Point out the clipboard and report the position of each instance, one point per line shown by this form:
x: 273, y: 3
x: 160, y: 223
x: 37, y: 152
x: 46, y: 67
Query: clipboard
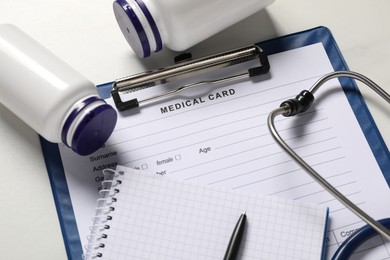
x: 300, y: 39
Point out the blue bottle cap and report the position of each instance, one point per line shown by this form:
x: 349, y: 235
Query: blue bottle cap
x: 89, y: 126
x: 138, y: 27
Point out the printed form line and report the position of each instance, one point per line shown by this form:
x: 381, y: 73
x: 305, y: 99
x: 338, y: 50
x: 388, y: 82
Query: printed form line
x: 220, y: 136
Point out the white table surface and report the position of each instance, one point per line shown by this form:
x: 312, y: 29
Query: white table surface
x: 86, y: 36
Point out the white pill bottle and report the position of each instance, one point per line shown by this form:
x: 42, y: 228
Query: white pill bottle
x: 149, y: 25
x: 51, y: 97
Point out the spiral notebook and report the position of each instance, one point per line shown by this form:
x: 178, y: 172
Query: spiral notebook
x: 146, y: 216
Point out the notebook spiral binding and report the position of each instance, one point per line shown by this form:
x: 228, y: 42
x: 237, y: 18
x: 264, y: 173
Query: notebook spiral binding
x: 101, y: 220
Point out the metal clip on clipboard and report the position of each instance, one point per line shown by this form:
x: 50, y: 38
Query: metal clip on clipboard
x: 187, y: 69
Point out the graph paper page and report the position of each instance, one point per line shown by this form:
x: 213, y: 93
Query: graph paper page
x: 218, y: 136
x: 163, y: 218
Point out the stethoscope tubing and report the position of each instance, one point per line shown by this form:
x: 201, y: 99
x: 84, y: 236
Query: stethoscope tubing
x: 299, y: 105
x: 353, y: 242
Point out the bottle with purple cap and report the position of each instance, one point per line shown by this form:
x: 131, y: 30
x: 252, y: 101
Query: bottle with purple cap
x: 51, y: 97
x: 149, y: 25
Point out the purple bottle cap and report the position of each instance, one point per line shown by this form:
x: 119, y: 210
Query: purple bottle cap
x: 138, y: 27
x: 89, y: 125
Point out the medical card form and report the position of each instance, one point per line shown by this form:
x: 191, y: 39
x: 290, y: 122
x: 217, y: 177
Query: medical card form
x: 217, y: 135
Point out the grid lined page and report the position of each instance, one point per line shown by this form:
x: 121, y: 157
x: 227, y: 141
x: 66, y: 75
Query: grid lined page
x: 161, y: 218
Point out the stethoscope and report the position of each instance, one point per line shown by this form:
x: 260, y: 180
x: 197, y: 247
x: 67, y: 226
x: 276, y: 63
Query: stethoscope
x: 300, y: 104
x: 288, y: 108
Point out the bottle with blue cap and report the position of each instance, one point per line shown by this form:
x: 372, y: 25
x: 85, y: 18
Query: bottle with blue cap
x: 149, y: 25
x: 51, y: 97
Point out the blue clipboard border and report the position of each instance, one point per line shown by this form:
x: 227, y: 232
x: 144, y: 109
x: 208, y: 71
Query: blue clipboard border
x: 300, y: 39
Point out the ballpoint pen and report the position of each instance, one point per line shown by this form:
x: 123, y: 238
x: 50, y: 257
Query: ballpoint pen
x: 235, y: 239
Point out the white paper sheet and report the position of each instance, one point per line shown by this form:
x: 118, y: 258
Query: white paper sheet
x: 218, y: 136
